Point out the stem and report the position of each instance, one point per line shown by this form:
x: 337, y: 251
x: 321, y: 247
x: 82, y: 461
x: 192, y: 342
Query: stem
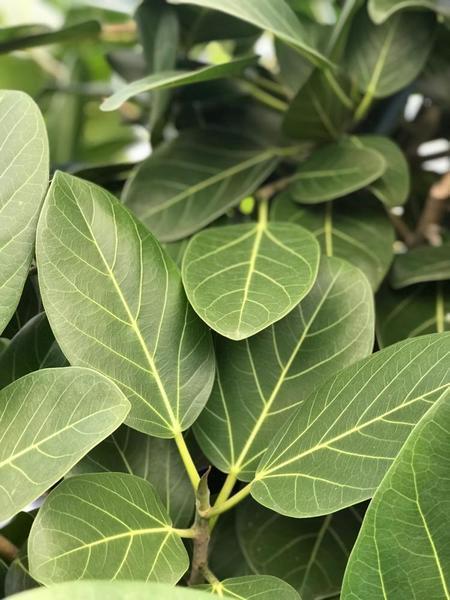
x: 8, y: 550
x: 223, y: 496
x: 187, y: 460
x: 231, y: 502
x: 328, y: 228
x: 440, y: 309
x: 364, y: 106
x: 346, y: 101
x: 186, y: 533
x: 263, y: 97
x: 263, y: 211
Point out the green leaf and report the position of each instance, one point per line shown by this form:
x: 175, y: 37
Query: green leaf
x: 74, y: 33
x: 50, y: 419
x: 31, y: 349
x: 380, y: 10
x: 339, y: 445
x: 334, y: 171
x: 242, y: 278
x: 98, y: 270
x: 19, y: 72
x: 249, y: 587
x: 4, y: 343
x: 383, y: 59
x: 153, y: 459
x: 23, y: 181
x: 18, y: 578
x: 226, y: 558
x: 404, y: 545
x: 309, y: 554
x: 355, y: 229
x: 105, y: 526
x: 172, y: 79
x: 261, y: 381
x: 29, y: 306
x: 195, y: 179
x: 419, y: 265
x: 272, y: 15
x: 3, y: 571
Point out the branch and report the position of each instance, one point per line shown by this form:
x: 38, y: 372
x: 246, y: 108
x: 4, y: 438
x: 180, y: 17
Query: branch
x: 8, y: 550
x: 429, y: 226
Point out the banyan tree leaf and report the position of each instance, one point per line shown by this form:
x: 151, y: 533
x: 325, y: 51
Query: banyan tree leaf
x: 419, y: 265
x: 29, y: 306
x: 24, y: 165
x: 356, y: 229
x: 226, y: 558
x: 105, y: 526
x: 49, y: 420
x: 32, y: 348
x: 309, y: 554
x: 380, y: 10
x: 334, y: 171
x: 337, y: 448
x: 18, y: 578
x: 99, y: 272
x: 261, y: 381
x: 4, y: 343
x: 172, y: 79
x: 189, y: 182
x: 242, y: 278
x: 250, y: 587
x: 403, y: 549
x: 153, y: 459
x: 383, y: 59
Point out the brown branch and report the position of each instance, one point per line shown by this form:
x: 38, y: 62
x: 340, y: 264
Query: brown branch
x: 8, y: 551
x: 405, y: 233
x: 429, y: 226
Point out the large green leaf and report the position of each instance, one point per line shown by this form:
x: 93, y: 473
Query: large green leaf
x: 355, y: 229
x: 403, y: 550
x: 49, y: 420
x: 420, y: 265
x: 249, y: 587
x: 194, y: 179
x: 337, y: 448
x: 242, y: 278
x: 380, y: 10
x: 272, y: 15
x: 153, y: 459
x: 31, y: 349
x: 383, y: 59
x: 105, y: 526
x: 172, y: 79
x: 23, y: 181
x: 334, y: 171
x: 99, y: 269
x: 310, y: 554
x: 261, y: 381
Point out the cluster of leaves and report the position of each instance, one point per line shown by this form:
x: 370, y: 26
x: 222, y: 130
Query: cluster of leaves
x: 192, y: 391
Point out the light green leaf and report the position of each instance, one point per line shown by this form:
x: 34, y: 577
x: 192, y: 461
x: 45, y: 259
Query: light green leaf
x: 355, y: 229
x: 272, y: 15
x: 334, y: 171
x: 153, y: 459
x: 172, y: 79
x: 49, y: 420
x: 403, y: 549
x: 74, y: 33
x: 105, y: 526
x: 250, y: 587
x: 383, y: 59
x: 24, y: 165
x: 420, y: 265
x: 242, y: 278
x: 380, y: 10
x: 309, y: 554
x: 31, y: 349
x: 262, y: 381
x: 339, y: 445
x: 99, y: 269
x: 194, y: 179
x: 4, y: 343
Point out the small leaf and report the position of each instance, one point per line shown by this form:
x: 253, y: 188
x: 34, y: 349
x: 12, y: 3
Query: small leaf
x: 337, y: 448
x: 242, y: 278
x: 99, y: 269
x: 172, y: 79
x: 262, y: 381
x: 334, y: 171
x: 380, y: 10
x: 249, y: 587
x: 420, y: 265
x: 50, y: 419
x: 24, y: 165
x: 74, y: 33
x: 105, y: 526
x: 404, y: 545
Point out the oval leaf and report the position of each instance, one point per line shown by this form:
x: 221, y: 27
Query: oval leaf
x: 341, y: 442
x: 49, y: 420
x: 420, y: 265
x: 105, y: 526
x: 255, y: 586
x: 242, y: 278
x: 116, y: 303
x: 262, y: 381
x: 380, y: 10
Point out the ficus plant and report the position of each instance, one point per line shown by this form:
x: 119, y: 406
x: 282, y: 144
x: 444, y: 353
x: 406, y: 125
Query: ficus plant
x: 225, y: 300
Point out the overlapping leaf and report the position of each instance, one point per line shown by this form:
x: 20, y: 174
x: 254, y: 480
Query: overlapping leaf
x: 242, y: 278
x: 18, y: 578
x: 261, y: 381
x: 404, y: 545
x: 250, y: 587
x: 105, y: 526
x: 116, y: 303
x: 427, y: 263
x: 48, y: 421
x: 24, y: 165
x: 380, y: 10
x: 339, y: 445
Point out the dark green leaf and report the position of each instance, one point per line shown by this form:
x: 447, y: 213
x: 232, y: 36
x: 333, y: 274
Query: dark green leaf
x: 226, y: 557
x: 420, y: 265
x: 249, y: 587
x: 75, y: 33
x: 18, y: 578
x: 380, y: 10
